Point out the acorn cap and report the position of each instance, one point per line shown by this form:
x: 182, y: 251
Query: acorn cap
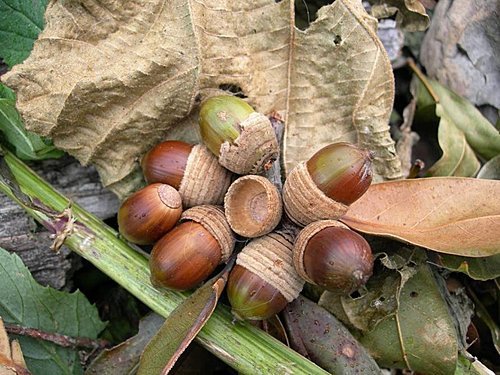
x: 205, y: 181
x: 213, y: 220
x: 302, y: 240
x: 270, y: 257
x: 304, y: 202
x: 253, y: 206
x: 254, y: 150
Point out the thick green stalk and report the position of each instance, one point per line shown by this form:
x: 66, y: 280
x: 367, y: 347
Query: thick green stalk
x: 242, y: 346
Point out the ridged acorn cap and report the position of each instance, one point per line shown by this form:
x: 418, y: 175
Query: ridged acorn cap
x: 253, y: 206
x: 270, y: 258
x: 205, y: 181
x: 304, y: 202
x: 212, y: 218
x: 242, y: 139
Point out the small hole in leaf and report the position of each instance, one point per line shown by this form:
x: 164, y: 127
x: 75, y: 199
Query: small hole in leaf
x: 278, y: 1
x: 413, y: 294
x: 355, y: 295
x: 337, y: 40
x: 233, y: 89
x: 382, y: 299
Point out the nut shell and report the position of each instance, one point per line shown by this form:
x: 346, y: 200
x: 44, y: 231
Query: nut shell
x: 213, y: 220
x: 270, y: 258
x: 253, y: 206
x: 205, y: 181
x: 304, y: 202
x: 149, y: 213
x: 329, y: 254
x: 184, y: 257
x: 255, y: 149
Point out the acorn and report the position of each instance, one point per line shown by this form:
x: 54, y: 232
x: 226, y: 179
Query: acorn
x: 264, y: 279
x: 193, y: 170
x: 242, y: 139
x: 329, y: 254
x: 189, y: 253
x: 149, y: 213
x: 253, y: 206
x: 324, y: 186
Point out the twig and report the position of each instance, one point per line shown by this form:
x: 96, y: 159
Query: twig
x: 423, y: 79
x: 56, y: 338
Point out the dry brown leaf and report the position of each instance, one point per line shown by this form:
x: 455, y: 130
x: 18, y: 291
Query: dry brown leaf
x: 450, y: 215
x: 107, y: 80
x: 11, y: 356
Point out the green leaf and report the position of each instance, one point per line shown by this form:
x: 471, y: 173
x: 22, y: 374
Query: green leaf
x: 20, y: 23
x: 491, y: 169
x: 463, y: 124
x: 422, y: 329
x: 28, y: 146
x: 486, y: 268
x: 26, y: 303
x: 182, y: 325
x: 379, y: 299
x: 471, y: 367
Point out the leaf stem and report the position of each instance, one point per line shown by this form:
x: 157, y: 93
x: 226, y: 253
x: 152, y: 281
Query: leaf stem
x: 242, y: 346
x: 56, y: 338
x: 423, y: 79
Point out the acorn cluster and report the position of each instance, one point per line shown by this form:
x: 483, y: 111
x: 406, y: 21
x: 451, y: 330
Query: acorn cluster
x: 199, y: 196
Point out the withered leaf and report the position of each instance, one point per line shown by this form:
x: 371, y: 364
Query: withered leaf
x: 326, y: 340
x: 11, y: 356
x: 410, y: 14
x: 451, y: 215
x: 108, y: 80
x: 182, y: 326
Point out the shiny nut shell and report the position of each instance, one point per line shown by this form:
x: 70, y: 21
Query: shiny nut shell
x: 212, y: 218
x: 253, y: 206
x: 304, y: 202
x: 301, y: 242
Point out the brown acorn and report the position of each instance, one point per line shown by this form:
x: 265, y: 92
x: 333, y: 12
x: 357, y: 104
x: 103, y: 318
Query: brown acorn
x: 190, y: 252
x: 325, y: 185
x: 149, y: 213
x: 264, y: 279
x: 193, y: 170
x: 329, y: 254
x: 253, y: 206
x: 242, y: 139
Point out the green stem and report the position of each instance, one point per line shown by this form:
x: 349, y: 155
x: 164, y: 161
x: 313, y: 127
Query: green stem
x: 242, y: 346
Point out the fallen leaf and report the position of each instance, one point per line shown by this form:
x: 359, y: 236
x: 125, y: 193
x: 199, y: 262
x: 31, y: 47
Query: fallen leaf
x: 327, y: 342
x: 479, y: 133
x: 123, y: 358
x: 491, y: 169
x: 182, y: 326
x: 451, y: 215
x: 379, y: 299
x: 410, y: 14
x: 483, y: 269
x: 422, y: 329
x: 11, y: 356
x: 26, y: 303
x: 108, y: 106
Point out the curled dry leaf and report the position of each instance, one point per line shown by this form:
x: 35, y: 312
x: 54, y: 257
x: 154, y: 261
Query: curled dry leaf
x: 451, y: 215
x: 122, y: 76
x: 410, y: 14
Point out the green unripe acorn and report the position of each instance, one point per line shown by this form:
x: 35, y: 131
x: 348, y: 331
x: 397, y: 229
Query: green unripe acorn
x: 242, y: 139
